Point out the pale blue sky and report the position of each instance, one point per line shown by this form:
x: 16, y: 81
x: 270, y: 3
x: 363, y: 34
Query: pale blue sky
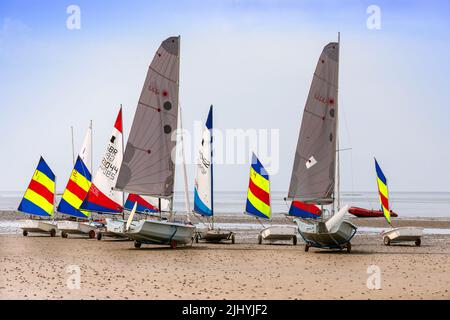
x: 252, y: 59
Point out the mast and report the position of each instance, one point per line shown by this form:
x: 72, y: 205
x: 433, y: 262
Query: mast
x: 338, y: 184
x: 186, y: 193
x: 73, y: 147
x: 212, y: 172
x: 123, y: 151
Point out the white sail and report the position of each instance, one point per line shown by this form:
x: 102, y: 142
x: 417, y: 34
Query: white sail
x: 203, y: 181
x: 101, y: 196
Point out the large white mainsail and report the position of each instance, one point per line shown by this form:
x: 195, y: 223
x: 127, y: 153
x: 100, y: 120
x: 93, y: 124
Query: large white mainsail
x: 313, y: 174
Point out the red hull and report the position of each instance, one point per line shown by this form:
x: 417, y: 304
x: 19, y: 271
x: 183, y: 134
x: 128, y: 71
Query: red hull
x: 365, y: 213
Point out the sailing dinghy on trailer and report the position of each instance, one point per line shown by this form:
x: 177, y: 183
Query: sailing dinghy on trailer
x: 147, y: 167
x: 258, y: 205
x: 39, y: 200
x: 203, y: 188
x: 102, y: 197
x: 315, y: 179
x: 75, y: 192
x: 394, y: 235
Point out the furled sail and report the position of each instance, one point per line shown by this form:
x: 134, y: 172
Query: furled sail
x: 147, y: 166
x: 313, y: 174
x: 79, y: 182
x: 203, y: 187
x: 258, y: 195
x: 101, y: 196
x: 383, y: 192
x: 39, y: 198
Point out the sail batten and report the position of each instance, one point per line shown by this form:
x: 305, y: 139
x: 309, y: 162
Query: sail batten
x: 147, y: 166
x: 313, y: 173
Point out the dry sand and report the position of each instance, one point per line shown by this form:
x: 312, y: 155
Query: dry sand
x: 34, y: 267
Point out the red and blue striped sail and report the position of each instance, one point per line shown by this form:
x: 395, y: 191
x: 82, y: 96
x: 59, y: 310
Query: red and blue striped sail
x: 76, y: 190
x: 258, y: 196
x: 39, y: 198
x: 304, y: 210
x: 143, y: 206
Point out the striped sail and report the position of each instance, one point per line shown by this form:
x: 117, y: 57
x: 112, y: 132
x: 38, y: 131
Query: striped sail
x: 79, y: 182
x: 101, y: 196
x: 383, y: 192
x: 143, y: 204
x: 203, y: 187
x: 304, y: 210
x: 258, y: 196
x: 39, y: 198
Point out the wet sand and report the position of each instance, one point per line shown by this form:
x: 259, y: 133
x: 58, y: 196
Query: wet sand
x: 34, y: 267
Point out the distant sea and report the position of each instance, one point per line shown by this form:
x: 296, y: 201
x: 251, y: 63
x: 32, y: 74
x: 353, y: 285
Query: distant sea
x: 406, y: 204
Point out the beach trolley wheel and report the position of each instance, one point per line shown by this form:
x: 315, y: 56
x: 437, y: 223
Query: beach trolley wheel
x: 25, y: 233
x: 260, y: 239
x: 307, y: 247
x: 92, y: 234
x: 64, y: 234
x: 387, y: 241
x: 52, y: 233
x: 99, y: 236
x: 294, y: 240
x: 418, y: 242
x: 349, y: 247
x: 137, y: 244
x: 233, y: 240
x: 173, y: 244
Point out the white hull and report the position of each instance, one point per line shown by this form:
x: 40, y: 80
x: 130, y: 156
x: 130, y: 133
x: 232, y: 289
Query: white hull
x: 214, y: 235
x: 403, y: 234
x: 278, y: 233
x: 39, y: 226
x: 161, y: 232
x: 74, y: 227
x: 115, y: 228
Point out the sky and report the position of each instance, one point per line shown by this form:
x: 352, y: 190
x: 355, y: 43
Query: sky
x: 252, y: 59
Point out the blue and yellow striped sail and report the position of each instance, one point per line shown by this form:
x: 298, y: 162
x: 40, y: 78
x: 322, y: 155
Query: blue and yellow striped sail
x: 383, y: 192
x: 76, y: 191
x: 40, y: 196
x: 258, y: 196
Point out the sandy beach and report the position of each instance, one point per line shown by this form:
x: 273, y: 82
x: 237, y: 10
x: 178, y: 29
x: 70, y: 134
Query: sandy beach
x: 35, y: 267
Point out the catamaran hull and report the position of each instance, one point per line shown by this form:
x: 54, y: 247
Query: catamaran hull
x: 314, y: 237
x: 38, y: 226
x: 114, y: 228
x: 278, y: 233
x: 77, y: 228
x: 403, y: 234
x: 161, y: 232
x: 215, y: 236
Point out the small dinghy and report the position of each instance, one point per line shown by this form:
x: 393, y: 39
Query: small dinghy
x: 394, y: 235
x: 366, y: 213
x: 39, y: 200
x: 76, y: 190
x: 258, y: 205
x: 315, y: 174
x: 148, y: 167
x: 203, y: 189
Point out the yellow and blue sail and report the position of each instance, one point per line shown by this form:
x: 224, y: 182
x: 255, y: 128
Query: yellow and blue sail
x: 76, y: 191
x: 258, y: 196
x: 39, y: 197
x: 383, y: 192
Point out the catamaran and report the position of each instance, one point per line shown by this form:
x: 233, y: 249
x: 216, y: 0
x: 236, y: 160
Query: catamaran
x: 393, y: 235
x: 101, y: 196
x: 258, y: 205
x: 315, y: 174
x: 203, y: 188
x: 147, y: 167
x: 75, y: 192
x: 39, y: 200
